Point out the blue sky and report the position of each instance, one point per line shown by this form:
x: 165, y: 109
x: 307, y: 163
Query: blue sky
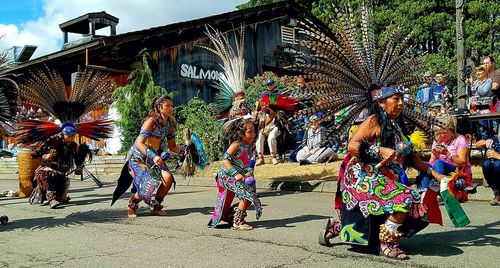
x: 17, y: 12
x: 36, y: 22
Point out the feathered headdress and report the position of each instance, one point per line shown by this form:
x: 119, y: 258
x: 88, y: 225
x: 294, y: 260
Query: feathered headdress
x: 347, y: 71
x: 46, y: 89
x: 232, y: 80
x: 8, y: 90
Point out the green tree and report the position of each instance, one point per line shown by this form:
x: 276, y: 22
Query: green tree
x: 133, y: 101
x: 431, y: 24
x: 482, y: 27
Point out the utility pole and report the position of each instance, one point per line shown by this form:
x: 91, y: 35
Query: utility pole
x: 460, y: 92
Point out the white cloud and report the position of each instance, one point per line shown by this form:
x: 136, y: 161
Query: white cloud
x: 134, y: 15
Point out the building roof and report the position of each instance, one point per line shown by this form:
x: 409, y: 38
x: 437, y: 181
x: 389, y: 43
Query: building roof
x: 81, y: 24
x: 119, y: 52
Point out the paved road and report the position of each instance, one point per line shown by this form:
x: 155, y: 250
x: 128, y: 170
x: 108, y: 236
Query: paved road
x: 90, y: 233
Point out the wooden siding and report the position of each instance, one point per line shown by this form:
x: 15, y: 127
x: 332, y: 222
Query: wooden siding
x: 262, y: 48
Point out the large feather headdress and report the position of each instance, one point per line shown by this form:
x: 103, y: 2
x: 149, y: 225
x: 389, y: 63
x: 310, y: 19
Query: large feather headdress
x: 8, y: 90
x: 46, y: 89
x: 232, y: 80
x: 345, y: 68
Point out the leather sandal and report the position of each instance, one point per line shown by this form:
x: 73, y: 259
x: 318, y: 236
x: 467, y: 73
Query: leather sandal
x: 331, y: 230
x: 157, y: 210
x: 393, y: 252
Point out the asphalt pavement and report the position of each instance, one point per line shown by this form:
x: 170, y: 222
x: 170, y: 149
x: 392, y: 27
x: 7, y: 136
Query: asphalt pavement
x: 90, y: 233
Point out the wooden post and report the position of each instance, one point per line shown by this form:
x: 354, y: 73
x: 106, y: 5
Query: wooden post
x: 460, y: 92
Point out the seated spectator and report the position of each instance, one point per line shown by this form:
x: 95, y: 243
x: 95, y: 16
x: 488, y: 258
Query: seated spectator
x: 274, y: 108
x: 268, y: 130
x: 450, y: 151
x: 491, y: 166
x: 313, y: 151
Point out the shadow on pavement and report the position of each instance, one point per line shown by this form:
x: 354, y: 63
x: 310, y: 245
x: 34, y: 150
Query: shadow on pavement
x: 286, y: 222
x: 274, y: 193
x: 76, y: 218
x: 303, y: 186
x: 447, y: 243
x: 187, y: 211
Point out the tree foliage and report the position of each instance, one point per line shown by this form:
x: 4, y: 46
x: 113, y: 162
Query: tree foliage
x: 133, y: 101
x: 431, y: 23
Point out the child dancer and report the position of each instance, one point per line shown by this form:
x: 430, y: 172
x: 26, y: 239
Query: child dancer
x: 237, y: 166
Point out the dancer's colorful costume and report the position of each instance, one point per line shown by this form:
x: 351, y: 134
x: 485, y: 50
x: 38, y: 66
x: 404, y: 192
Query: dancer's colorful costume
x: 46, y: 89
x: 229, y: 187
x: 147, y: 176
x: 349, y: 73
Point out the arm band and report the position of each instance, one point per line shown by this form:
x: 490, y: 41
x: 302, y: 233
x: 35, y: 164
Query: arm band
x: 150, y: 153
x: 227, y: 156
x: 232, y: 171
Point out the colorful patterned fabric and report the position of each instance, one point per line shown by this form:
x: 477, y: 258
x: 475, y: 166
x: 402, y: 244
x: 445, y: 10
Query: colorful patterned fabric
x: 228, y: 186
x: 365, y: 193
x: 385, y: 92
x: 376, y: 192
x: 147, y: 176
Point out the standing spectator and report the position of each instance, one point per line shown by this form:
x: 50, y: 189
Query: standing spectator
x: 300, y: 89
x: 489, y: 61
x: 314, y: 151
x: 440, y: 92
x: 481, y: 87
x: 424, y: 93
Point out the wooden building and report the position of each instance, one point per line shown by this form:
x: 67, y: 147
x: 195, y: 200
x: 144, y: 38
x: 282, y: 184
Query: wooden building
x: 178, y: 63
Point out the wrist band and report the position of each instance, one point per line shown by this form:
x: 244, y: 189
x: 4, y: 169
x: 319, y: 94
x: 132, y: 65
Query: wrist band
x: 429, y: 171
x: 232, y: 171
x: 150, y: 153
x: 368, y: 153
x: 374, y: 151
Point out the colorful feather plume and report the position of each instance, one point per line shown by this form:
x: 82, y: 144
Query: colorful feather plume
x: 418, y: 140
x: 457, y: 186
x: 8, y: 90
x: 232, y: 80
x: 45, y: 89
x: 96, y: 129
x: 31, y: 131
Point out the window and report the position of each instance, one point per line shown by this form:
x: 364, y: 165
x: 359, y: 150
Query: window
x: 287, y: 35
